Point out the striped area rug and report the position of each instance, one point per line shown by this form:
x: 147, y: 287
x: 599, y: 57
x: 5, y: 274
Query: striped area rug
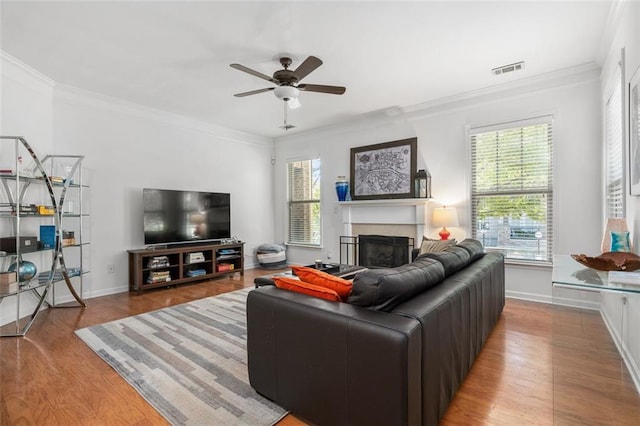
x: 188, y: 361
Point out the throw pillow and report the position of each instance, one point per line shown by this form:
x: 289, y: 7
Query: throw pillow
x: 435, y: 246
x: 323, y: 279
x: 620, y: 241
x: 298, y: 286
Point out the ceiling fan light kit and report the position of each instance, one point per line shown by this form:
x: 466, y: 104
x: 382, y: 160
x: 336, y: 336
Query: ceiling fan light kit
x: 287, y: 81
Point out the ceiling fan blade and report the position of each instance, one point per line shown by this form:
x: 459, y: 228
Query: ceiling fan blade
x: 305, y: 68
x: 334, y: 90
x: 254, y: 73
x: 253, y: 92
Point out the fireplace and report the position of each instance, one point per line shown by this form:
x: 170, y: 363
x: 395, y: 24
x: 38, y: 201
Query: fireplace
x: 375, y: 251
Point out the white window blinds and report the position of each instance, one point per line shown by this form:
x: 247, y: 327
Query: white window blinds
x: 304, y: 202
x: 614, y: 176
x: 511, y: 190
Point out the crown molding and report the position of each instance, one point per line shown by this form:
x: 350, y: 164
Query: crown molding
x: 565, y: 77
x: 17, y: 71
x: 617, y: 11
x: 402, y: 117
x: 76, y: 96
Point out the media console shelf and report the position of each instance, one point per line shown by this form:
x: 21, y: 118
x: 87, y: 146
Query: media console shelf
x: 153, y: 268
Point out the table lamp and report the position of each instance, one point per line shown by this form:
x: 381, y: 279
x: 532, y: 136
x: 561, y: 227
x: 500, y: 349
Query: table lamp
x: 445, y: 216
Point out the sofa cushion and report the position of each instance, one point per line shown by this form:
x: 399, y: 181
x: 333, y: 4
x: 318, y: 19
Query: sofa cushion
x: 454, y: 259
x: 474, y: 247
x: 435, y: 246
x: 298, y: 286
x: 384, y: 289
x: 323, y: 279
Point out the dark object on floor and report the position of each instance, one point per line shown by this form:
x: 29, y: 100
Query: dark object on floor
x: 271, y: 256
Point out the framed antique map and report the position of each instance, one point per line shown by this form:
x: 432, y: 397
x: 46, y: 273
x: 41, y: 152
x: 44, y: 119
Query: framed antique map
x: 384, y: 170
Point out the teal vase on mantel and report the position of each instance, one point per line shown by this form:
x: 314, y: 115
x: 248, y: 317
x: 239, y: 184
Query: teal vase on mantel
x: 342, y: 188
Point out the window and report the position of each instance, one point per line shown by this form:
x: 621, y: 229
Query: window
x: 304, y: 202
x: 614, y: 176
x: 511, y: 189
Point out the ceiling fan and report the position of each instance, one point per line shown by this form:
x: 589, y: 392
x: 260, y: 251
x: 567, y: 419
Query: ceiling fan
x: 288, y: 82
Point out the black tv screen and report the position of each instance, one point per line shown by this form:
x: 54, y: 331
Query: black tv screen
x: 172, y: 216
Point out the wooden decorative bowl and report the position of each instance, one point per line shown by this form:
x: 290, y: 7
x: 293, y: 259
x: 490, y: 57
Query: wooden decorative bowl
x: 610, y: 261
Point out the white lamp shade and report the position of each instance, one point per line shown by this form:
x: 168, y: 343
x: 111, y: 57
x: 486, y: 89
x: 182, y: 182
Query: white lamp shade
x: 294, y: 103
x: 286, y: 92
x: 445, y: 216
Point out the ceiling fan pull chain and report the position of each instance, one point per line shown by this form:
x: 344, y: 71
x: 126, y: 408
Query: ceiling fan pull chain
x: 285, y: 114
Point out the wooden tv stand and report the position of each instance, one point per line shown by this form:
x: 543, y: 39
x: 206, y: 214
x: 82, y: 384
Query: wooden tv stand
x: 162, y: 267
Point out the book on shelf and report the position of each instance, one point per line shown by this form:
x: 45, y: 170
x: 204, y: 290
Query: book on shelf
x: 8, y: 282
x: 158, y: 262
x: 223, y: 267
x: 158, y: 280
x: 57, y: 275
x: 228, y: 251
x: 196, y: 272
x: 158, y: 277
x: 7, y: 288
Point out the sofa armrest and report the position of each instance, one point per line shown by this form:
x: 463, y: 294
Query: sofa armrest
x: 333, y: 363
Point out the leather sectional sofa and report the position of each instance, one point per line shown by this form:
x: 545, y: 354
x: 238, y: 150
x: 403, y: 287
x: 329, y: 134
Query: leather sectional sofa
x: 395, y: 354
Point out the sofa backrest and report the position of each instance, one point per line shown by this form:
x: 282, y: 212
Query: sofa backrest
x: 385, y: 288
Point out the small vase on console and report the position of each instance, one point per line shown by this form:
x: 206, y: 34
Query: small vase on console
x: 342, y: 188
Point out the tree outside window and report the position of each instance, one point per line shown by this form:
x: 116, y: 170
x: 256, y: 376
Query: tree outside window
x: 511, y: 190
x: 304, y: 202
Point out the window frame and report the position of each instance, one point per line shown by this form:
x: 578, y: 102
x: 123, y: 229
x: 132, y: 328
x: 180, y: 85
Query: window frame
x: 616, y: 82
x: 290, y: 202
x: 471, y: 132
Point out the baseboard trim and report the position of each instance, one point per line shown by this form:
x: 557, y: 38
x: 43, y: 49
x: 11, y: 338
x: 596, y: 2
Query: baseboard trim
x: 530, y: 297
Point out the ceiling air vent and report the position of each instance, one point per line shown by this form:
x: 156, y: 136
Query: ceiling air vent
x: 508, y: 68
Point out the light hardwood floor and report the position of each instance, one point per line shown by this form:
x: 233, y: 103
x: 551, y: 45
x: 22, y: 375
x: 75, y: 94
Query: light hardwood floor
x: 51, y: 377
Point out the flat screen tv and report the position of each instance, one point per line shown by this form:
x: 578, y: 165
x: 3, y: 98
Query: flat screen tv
x: 172, y: 216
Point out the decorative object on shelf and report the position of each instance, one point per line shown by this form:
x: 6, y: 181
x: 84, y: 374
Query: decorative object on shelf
x: 614, y: 224
x: 48, y: 236
x: 50, y: 191
x: 423, y: 184
x: 383, y: 171
x: 8, y: 282
x: 634, y: 133
x: 443, y: 217
x: 68, y: 238
x: 342, y: 188
x: 26, y: 271
x: 610, y: 261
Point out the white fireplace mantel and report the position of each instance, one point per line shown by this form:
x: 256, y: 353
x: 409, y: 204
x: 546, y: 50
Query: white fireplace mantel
x: 403, y: 211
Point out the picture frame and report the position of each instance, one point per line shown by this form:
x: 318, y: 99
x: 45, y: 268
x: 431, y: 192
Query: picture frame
x: 634, y: 133
x: 384, y: 171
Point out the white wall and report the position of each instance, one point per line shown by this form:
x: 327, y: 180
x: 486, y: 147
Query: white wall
x: 572, y: 96
x: 26, y: 99
x: 623, y: 313
x: 127, y: 148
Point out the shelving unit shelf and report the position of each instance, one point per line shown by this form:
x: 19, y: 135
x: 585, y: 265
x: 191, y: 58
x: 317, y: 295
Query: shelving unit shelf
x: 32, y: 195
x: 161, y: 267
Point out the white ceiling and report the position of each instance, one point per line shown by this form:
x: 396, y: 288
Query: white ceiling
x: 175, y: 56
